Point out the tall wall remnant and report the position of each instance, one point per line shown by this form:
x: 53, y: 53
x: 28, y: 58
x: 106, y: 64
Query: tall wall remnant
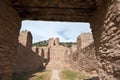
x: 53, y: 42
x: 9, y: 30
x: 27, y: 57
x: 83, y: 58
x: 84, y: 40
x: 57, y: 58
x: 56, y: 41
x: 54, y: 55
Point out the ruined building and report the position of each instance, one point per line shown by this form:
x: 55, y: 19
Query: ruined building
x: 27, y: 57
x: 103, y: 16
x: 53, y: 42
x: 56, y: 57
x: 82, y: 57
x: 34, y: 58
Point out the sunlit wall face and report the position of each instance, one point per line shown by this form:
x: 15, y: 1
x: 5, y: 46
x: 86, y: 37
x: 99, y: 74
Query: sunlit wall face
x: 65, y: 31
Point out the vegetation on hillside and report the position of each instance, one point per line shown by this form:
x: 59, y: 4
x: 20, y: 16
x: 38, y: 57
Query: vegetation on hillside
x: 67, y: 44
x: 45, y: 43
x: 41, y: 43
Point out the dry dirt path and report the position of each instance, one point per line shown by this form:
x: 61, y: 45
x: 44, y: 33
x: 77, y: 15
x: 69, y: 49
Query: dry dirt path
x: 55, y: 75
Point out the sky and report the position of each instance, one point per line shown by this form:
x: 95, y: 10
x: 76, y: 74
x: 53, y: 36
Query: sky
x: 65, y: 31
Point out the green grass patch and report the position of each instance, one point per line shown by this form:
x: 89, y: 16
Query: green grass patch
x: 42, y: 76
x: 72, y: 75
x: 45, y: 75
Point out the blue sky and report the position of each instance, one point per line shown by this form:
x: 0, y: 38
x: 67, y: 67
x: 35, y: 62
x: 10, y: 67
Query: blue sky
x: 65, y: 31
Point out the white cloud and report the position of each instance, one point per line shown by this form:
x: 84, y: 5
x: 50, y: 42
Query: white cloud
x: 66, y: 31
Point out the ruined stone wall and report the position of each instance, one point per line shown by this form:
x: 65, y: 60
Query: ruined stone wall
x: 57, y: 58
x: 45, y: 51
x: 83, y: 58
x: 56, y: 41
x: 73, y: 48
x: 84, y: 40
x: 9, y: 30
x: 54, y: 55
x: 105, y: 26
x: 27, y: 58
x: 45, y: 55
x: 51, y: 42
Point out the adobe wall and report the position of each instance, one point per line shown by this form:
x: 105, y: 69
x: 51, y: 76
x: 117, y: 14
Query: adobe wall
x: 45, y: 55
x: 56, y: 41
x: 83, y: 58
x: 105, y: 26
x: 27, y: 58
x: 51, y: 42
x: 84, y: 40
x: 55, y: 56
x: 9, y: 31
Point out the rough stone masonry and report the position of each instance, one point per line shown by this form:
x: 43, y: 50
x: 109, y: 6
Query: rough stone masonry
x: 55, y: 58
x: 105, y: 26
x: 103, y: 16
x: 9, y: 31
x: 27, y: 57
x: 82, y: 57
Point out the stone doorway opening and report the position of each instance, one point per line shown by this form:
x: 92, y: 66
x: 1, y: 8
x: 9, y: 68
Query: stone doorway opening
x: 64, y: 31
x: 103, y: 15
x: 77, y: 44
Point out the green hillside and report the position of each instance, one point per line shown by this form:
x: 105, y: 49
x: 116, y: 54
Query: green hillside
x: 41, y: 43
x: 45, y: 43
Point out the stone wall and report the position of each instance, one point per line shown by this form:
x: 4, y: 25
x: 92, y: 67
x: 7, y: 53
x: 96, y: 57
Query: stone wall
x: 83, y: 58
x: 9, y: 31
x: 55, y: 55
x: 45, y: 55
x: 105, y: 26
x: 27, y: 58
x: 56, y: 41
x: 57, y: 58
x: 84, y: 40
x: 53, y: 42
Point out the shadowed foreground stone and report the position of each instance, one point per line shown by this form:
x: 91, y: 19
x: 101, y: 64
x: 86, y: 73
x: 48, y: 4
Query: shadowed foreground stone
x: 9, y: 30
x: 27, y: 57
x: 105, y: 26
x: 103, y: 15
